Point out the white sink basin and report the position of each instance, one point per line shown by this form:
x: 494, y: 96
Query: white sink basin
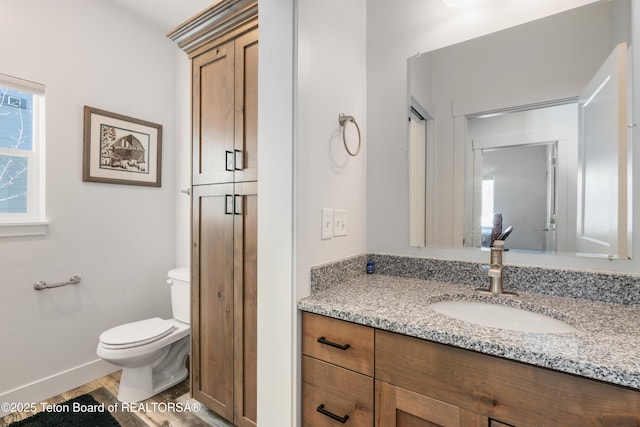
x: 501, y: 316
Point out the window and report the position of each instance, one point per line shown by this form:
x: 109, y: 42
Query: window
x: 21, y: 157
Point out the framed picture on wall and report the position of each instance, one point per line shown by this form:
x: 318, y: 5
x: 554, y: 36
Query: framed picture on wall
x: 120, y: 149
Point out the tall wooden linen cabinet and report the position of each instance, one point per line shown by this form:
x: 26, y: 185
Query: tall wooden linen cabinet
x: 222, y: 44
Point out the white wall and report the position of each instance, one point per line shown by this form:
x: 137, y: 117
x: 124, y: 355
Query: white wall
x: 120, y: 239
x: 332, y: 79
x: 277, y: 352
x: 329, y: 61
x: 183, y: 159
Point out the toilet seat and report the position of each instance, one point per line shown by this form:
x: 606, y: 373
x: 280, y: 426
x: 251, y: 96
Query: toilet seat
x: 136, y: 334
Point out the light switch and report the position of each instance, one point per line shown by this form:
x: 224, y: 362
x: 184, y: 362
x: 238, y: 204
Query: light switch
x: 327, y: 223
x: 339, y: 222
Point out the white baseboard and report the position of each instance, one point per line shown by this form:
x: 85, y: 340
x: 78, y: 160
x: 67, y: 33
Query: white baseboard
x: 53, y: 385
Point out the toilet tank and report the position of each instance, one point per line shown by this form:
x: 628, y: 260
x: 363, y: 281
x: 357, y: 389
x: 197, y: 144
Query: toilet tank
x: 180, y: 279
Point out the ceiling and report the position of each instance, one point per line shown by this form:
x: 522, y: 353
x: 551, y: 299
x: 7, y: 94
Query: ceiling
x: 164, y: 14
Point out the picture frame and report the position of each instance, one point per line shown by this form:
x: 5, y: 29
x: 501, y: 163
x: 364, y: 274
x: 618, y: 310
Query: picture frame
x: 121, y: 150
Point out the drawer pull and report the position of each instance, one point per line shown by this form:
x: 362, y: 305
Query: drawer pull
x: 332, y: 415
x: 323, y: 340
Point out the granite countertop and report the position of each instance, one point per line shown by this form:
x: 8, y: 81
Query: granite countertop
x: 605, y: 345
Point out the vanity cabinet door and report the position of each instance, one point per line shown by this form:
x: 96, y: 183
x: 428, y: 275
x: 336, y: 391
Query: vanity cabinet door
x: 334, y: 396
x: 397, y: 407
x: 516, y: 393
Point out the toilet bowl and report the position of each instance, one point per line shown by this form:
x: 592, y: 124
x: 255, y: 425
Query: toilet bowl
x: 152, y: 352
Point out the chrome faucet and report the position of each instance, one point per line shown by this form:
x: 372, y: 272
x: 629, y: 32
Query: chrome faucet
x: 495, y: 272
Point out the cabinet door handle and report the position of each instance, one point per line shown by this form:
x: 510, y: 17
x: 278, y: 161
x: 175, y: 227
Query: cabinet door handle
x: 229, y: 161
x: 228, y: 204
x: 332, y: 415
x: 323, y: 340
x: 238, y: 160
x: 237, y: 204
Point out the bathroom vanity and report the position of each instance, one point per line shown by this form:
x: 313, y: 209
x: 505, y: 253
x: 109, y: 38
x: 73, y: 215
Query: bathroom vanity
x: 374, y: 353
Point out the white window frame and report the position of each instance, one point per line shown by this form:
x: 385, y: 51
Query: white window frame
x: 33, y: 222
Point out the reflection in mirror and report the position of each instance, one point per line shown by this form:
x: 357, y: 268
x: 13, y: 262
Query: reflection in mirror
x: 525, y: 124
x: 532, y: 166
x: 524, y: 168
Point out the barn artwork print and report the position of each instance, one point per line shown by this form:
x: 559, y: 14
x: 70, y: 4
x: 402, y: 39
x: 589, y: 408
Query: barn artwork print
x: 120, y: 149
x: 128, y: 152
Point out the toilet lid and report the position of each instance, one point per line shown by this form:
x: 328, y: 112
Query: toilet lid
x: 136, y: 333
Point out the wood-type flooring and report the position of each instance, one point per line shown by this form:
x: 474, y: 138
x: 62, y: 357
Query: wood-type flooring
x: 171, y: 408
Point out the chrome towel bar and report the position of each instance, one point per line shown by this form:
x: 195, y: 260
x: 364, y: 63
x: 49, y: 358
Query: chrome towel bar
x: 41, y: 284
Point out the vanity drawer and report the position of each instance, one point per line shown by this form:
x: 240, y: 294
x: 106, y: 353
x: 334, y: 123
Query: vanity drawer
x: 339, y: 342
x: 330, y: 394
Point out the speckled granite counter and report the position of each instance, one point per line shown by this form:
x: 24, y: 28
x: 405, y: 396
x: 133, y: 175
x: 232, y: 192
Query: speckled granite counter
x: 605, y: 346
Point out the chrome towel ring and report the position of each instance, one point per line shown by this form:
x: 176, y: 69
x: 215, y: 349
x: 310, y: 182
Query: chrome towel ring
x: 343, y: 120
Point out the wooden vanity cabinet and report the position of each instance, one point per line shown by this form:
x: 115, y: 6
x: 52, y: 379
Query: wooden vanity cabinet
x: 506, y: 392
x: 419, y: 383
x: 337, y: 373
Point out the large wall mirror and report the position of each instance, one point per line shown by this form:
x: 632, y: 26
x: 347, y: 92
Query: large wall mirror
x: 533, y: 124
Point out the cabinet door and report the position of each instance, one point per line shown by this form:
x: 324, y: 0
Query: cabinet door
x: 333, y: 396
x: 225, y: 112
x: 246, y: 107
x: 245, y: 302
x: 212, y: 297
x: 397, y: 407
x: 213, y: 120
x: 513, y: 392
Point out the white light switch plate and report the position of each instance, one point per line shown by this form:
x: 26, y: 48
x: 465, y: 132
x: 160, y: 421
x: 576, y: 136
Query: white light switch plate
x: 327, y: 223
x: 339, y: 222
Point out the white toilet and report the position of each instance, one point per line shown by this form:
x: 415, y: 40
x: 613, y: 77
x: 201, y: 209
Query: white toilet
x: 152, y: 352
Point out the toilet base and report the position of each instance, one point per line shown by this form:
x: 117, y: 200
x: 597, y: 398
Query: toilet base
x: 137, y: 384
